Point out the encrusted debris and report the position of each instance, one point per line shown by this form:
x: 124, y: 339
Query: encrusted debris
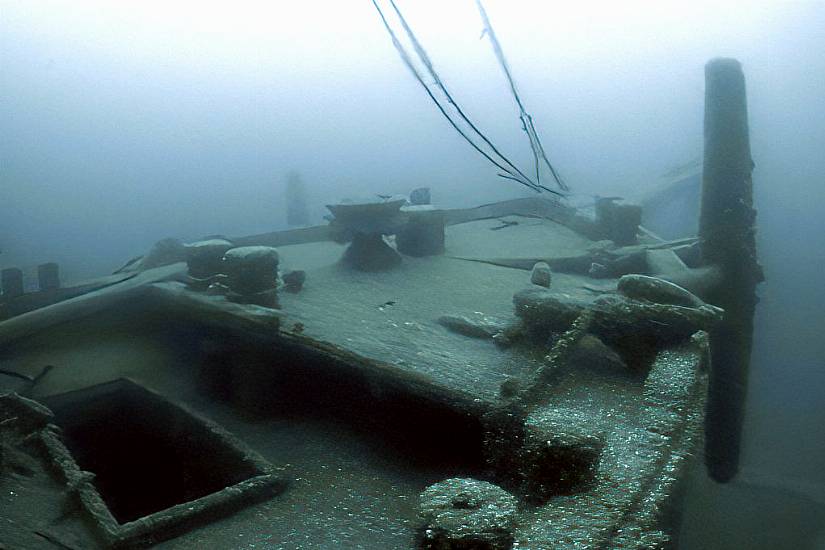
x: 591, y: 353
x: 19, y: 418
x: 560, y: 454
x: 544, y: 312
x: 483, y: 328
x: 654, y: 289
x: 294, y: 280
x: 541, y: 275
x: 635, y: 329
x: 465, y: 513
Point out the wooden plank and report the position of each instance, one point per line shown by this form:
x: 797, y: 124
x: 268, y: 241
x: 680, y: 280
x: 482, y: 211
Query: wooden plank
x: 303, y: 235
x: 70, y: 310
x: 36, y: 300
x: 528, y: 206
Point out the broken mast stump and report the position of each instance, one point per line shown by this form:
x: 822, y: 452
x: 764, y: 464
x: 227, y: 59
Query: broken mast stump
x: 297, y: 212
x: 11, y: 280
x: 48, y: 276
x: 727, y: 237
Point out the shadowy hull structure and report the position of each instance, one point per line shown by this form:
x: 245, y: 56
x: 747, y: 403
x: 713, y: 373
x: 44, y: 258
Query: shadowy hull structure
x: 447, y: 402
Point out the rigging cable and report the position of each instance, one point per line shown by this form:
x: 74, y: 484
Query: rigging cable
x: 425, y: 59
x: 526, y: 118
x: 510, y: 171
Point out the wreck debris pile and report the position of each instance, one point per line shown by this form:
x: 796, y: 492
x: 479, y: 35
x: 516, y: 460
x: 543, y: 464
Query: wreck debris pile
x: 543, y: 312
x: 635, y: 326
x: 463, y: 513
x: 636, y: 329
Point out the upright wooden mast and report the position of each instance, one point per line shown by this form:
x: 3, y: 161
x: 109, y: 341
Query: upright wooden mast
x: 727, y: 237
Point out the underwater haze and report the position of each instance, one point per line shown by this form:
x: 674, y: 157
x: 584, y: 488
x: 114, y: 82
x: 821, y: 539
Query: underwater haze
x: 124, y: 123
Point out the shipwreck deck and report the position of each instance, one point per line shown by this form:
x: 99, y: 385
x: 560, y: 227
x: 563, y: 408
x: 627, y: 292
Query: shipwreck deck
x: 350, y: 487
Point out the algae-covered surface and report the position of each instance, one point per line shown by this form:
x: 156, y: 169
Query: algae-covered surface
x: 391, y: 316
x: 514, y: 237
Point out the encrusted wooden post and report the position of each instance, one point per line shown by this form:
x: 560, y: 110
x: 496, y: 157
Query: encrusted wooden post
x: 727, y: 236
x: 297, y: 212
x: 11, y: 280
x: 48, y: 276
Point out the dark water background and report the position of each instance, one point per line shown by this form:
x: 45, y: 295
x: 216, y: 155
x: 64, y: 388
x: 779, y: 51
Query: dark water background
x: 121, y: 125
